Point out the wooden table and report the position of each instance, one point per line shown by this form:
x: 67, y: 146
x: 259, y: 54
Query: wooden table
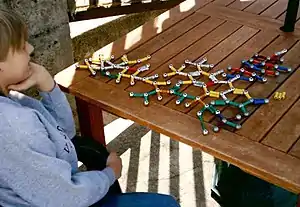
x: 266, y: 146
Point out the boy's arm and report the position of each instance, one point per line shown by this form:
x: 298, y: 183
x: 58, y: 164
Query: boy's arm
x: 57, y: 104
x: 43, y: 180
x: 53, y: 99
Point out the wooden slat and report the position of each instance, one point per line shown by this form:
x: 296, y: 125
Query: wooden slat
x: 255, y: 44
x: 240, y: 5
x: 174, y: 47
x: 276, y: 9
x: 258, y: 90
x: 193, y: 52
x: 245, y: 18
x: 223, y: 2
x: 252, y: 157
x: 219, y: 52
x: 266, y: 116
x: 117, y: 48
x: 295, y: 151
x: 286, y: 131
x: 282, y: 16
x: 259, y: 6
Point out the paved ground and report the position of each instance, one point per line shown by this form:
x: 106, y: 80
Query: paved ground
x: 155, y: 163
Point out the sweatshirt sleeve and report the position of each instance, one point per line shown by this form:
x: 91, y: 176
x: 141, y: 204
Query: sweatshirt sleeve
x: 57, y: 104
x: 43, y: 180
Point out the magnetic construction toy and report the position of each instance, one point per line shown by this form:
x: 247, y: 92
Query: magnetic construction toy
x: 254, y: 69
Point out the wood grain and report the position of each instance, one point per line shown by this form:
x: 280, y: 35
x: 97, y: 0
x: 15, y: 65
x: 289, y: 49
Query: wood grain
x: 240, y: 5
x: 259, y: 6
x: 256, y: 43
x: 192, y: 53
x: 255, y: 158
x: 287, y: 131
x: 259, y: 90
x: 173, y: 48
x: 245, y: 18
x: 70, y: 75
x: 267, y: 115
x: 90, y: 120
x: 276, y: 9
x: 295, y: 151
x: 217, y: 54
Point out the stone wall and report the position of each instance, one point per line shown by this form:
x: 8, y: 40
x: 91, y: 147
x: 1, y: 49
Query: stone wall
x: 48, y: 29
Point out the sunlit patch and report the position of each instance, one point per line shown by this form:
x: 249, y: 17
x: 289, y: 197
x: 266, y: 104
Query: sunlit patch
x: 159, y: 21
x: 133, y: 37
x: 187, y: 5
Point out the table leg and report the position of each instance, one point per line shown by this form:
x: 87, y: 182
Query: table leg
x: 291, y: 16
x: 90, y: 120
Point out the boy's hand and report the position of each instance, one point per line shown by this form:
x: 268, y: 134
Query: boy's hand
x: 115, y: 162
x: 39, y: 77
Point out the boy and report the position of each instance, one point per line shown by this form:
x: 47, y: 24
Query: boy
x: 37, y: 156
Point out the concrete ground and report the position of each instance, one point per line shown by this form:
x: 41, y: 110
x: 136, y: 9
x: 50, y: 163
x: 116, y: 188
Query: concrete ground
x: 152, y: 162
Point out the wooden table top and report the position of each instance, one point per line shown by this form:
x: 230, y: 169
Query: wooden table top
x: 225, y: 32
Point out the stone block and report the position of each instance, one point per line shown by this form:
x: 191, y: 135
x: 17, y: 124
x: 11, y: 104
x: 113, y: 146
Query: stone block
x: 3, y: 4
x: 54, y: 50
x: 41, y: 15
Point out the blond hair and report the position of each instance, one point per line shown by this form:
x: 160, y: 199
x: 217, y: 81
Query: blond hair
x: 13, y: 32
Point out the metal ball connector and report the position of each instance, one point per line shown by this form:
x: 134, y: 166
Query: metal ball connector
x: 131, y: 94
x: 187, y: 61
x: 224, y: 75
x: 156, y: 75
x: 241, y: 105
x: 253, y: 74
x: 238, y: 126
x: 218, y: 112
x: 157, y: 90
x: 148, y: 65
x: 108, y: 73
x: 159, y: 98
x: 263, y: 71
x: 197, y: 98
x: 187, y: 105
x: 227, y: 101
x: 127, y: 67
x: 267, y: 101
x: 148, y: 56
x: 246, y: 114
x: 224, y: 120
x: 264, y: 80
x: 251, y: 60
x: 216, y: 129
x: 205, y: 132
x: 211, y: 65
x: 199, y: 113
x: 268, y: 58
x: 289, y: 69
x: 184, y: 95
x: 146, y: 103
x: 177, y: 102
x: 168, y: 82
x: 170, y: 65
x: 250, y: 79
x: 212, y: 102
x: 138, y: 60
x: 132, y: 83
x: 238, y: 117
x: 171, y: 91
x: 242, y: 70
x: 206, y: 105
x: 281, y: 60
x: 183, y: 66
x: 277, y: 73
x: 112, y: 56
x: 144, y: 79
x: 117, y: 81
x: 238, y: 76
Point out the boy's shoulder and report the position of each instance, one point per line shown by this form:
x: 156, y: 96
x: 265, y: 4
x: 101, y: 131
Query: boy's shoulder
x: 14, y: 117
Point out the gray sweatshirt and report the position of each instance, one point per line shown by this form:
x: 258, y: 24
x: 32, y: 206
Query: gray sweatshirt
x: 38, y: 162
